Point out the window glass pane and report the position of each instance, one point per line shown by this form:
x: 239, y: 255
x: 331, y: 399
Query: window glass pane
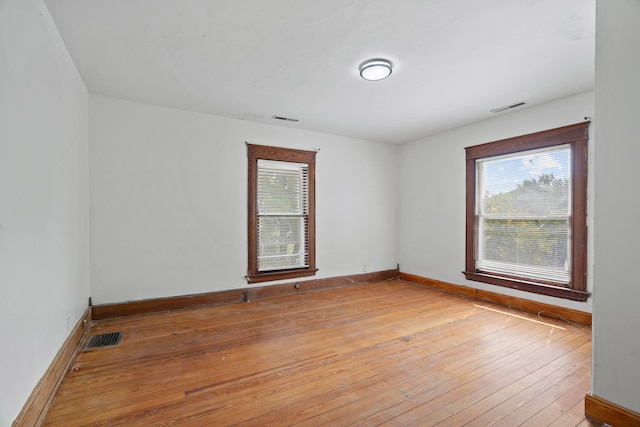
x: 523, y: 213
x: 282, y: 243
x: 282, y: 196
x: 536, y: 249
x: 282, y: 188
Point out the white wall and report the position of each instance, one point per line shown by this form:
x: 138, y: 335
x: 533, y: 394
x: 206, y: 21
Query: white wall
x: 431, y: 193
x: 169, y: 200
x: 44, y: 222
x: 616, y: 342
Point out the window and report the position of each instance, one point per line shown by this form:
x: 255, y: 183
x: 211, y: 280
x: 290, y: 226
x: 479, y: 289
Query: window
x: 526, y: 212
x: 281, y: 213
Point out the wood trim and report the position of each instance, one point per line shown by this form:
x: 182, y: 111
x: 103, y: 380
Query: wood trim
x: 159, y: 305
x: 532, y: 141
x: 252, y: 220
x: 603, y: 411
x: 36, y: 406
x: 470, y: 216
x: 543, y: 309
x: 443, y: 286
x: 257, y: 293
x: 281, y: 275
x: 579, y: 208
x: 523, y: 285
x: 280, y: 154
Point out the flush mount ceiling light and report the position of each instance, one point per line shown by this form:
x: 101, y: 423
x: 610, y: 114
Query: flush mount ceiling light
x: 375, y: 69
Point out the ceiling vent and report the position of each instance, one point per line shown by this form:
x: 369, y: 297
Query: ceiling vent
x: 508, y: 107
x: 285, y: 119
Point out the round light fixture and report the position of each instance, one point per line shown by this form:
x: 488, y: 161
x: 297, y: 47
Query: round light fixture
x: 375, y: 69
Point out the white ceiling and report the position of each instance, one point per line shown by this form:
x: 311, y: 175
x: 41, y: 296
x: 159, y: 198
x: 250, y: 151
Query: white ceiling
x: 454, y: 60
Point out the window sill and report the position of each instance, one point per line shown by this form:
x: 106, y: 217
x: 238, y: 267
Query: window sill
x: 527, y: 286
x: 280, y: 275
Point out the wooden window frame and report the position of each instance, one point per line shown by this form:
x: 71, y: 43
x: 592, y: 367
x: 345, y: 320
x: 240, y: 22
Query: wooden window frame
x: 254, y: 153
x: 577, y: 137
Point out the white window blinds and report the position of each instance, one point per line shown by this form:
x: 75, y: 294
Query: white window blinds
x: 523, y: 211
x: 283, y: 209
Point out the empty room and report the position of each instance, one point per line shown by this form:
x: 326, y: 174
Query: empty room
x: 339, y: 212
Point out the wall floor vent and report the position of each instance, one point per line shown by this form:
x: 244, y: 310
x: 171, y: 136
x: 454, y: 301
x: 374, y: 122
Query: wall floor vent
x: 110, y: 339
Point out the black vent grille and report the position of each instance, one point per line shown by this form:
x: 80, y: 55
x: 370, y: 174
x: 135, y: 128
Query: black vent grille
x: 508, y: 107
x: 104, y: 340
x: 286, y: 119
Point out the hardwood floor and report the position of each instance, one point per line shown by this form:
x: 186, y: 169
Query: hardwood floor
x: 390, y: 353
